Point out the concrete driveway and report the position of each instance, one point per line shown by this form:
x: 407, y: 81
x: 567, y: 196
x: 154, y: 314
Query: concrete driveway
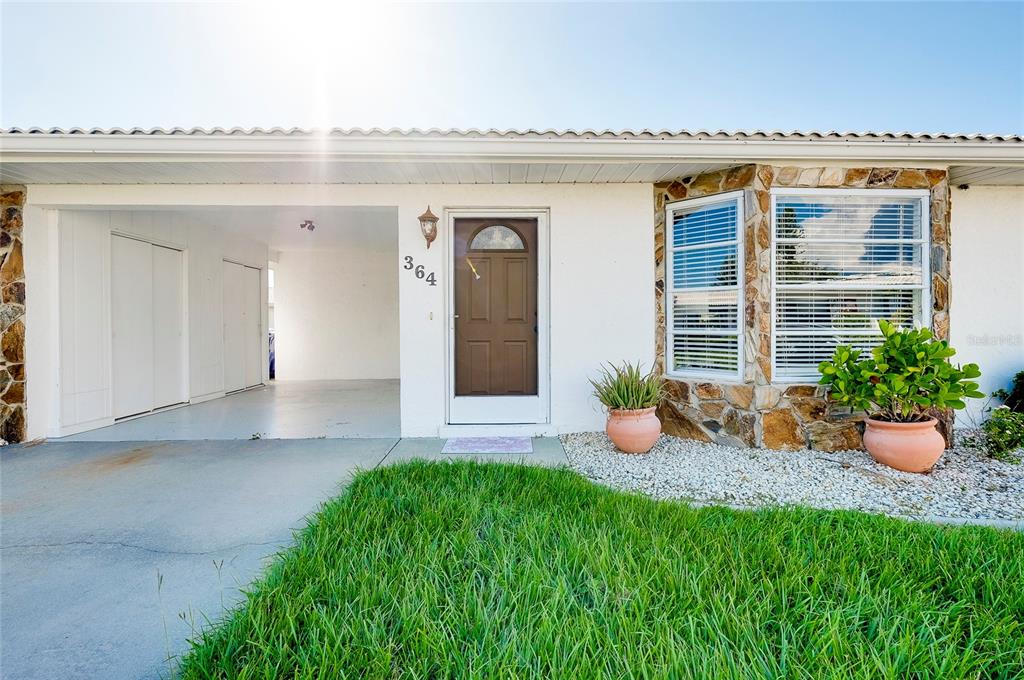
x: 113, y: 553
x: 87, y: 529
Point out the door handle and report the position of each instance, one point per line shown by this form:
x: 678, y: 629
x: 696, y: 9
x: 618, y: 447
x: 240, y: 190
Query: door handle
x: 455, y: 316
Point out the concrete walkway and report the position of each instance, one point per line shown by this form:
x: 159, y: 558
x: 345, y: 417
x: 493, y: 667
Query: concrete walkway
x: 113, y: 553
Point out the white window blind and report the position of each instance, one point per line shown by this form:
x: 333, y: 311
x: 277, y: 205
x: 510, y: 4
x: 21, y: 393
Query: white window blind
x: 703, y: 292
x: 843, y: 260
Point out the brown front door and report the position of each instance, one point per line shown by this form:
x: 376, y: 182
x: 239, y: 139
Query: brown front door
x: 495, y: 307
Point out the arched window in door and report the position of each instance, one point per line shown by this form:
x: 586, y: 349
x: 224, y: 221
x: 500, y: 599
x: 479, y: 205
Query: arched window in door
x: 497, y: 237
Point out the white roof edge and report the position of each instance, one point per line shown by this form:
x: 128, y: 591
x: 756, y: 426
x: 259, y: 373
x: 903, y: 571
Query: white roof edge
x: 587, y: 133
x: 481, y: 146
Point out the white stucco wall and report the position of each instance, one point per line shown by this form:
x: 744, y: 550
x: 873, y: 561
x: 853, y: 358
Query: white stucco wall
x: 336, y: 314
x: 601, y: 292
x: 601, y: 274
x: 68, y: 257
x: 987, y: 305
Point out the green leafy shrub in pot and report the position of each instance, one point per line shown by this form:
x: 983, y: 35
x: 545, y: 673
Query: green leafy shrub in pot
x: 1004, y: 434
x: 901, y: 379
x: 898, y: 383
x: 631, y: 396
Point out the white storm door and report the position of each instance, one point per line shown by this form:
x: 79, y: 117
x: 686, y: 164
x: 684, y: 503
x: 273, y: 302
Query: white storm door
x: 131, y: 315
x: 253, y: 325
x: 463, y: 226
x: 234, y: 327
x: 169, y: 378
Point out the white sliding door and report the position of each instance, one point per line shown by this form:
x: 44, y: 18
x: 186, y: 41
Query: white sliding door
x: 169, y: 366
x: 147, y: 326
x: 131, y: 288
x: 243, y: 326
x: 253, y: 326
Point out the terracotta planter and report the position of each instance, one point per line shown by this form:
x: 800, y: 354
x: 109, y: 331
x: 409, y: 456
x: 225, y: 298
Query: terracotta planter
x: 911, y: 447
x: 633, y: 431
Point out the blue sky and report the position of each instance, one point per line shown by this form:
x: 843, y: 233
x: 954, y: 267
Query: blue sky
x: 954, y: 67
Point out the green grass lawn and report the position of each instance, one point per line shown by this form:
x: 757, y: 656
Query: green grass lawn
x: 495, y: 571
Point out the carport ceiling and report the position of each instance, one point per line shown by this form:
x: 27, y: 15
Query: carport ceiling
x: 337, y: 228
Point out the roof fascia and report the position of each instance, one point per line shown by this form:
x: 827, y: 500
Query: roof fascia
x: 122, y: 148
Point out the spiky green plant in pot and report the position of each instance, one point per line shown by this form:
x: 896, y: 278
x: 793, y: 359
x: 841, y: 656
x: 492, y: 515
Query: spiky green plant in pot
x: 631, y: 396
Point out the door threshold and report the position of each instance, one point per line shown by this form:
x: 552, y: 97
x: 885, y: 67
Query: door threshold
x: 485, y: 430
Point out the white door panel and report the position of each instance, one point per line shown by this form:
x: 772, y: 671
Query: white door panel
x: 234, y: 327
x: 253, y: 326
x: 169, y: 381
x: 131, y: 286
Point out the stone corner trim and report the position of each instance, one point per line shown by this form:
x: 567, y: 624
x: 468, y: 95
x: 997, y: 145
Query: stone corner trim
x: 757, y: 412
x: 12, y: 315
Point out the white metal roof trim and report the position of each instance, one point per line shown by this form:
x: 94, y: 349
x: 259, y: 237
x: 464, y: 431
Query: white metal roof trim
x: 737, y: 135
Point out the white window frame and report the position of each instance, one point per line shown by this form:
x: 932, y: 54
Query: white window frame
x: 738, y: 241
x: 923, y: 196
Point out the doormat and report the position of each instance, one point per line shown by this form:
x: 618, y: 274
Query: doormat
x: 488, y: 445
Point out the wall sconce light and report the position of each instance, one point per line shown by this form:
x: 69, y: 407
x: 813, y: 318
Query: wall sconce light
x: 428, y: 225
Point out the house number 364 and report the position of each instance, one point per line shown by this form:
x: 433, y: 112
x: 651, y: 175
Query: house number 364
x: 419, y: 271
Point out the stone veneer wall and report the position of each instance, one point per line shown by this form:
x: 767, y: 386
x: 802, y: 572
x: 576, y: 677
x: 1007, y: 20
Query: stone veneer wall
x: 756, y: 412
x: 12, y: 315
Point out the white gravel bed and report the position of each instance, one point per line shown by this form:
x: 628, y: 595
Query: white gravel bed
x: 964, y: 485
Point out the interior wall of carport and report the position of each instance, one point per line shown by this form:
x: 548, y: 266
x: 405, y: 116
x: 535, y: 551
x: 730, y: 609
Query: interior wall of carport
x: 336, y: 313
x: 601, y: 275
x: 68, y: 325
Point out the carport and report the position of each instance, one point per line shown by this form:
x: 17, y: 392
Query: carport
x: 166, y: 317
